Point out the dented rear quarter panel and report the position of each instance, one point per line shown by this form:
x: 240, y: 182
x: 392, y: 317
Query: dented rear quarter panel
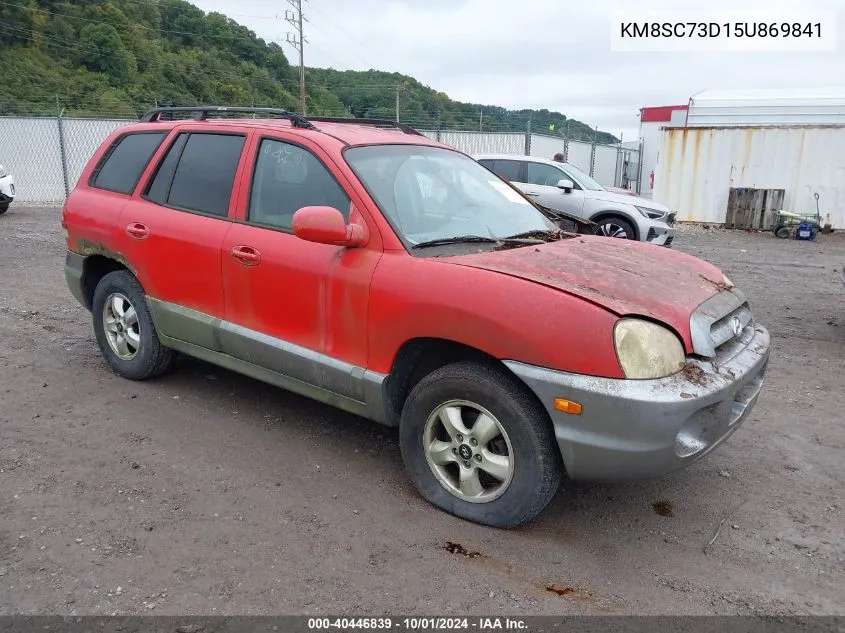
x: 507, y: 317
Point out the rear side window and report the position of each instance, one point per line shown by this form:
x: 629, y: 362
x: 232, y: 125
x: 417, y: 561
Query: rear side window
x: 159, y: 189
x: 507, y: 169
x: 121, y: 167
x: 198, y: 172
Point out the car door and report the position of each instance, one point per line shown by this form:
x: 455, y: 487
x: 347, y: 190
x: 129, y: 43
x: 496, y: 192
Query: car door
x: 294, y: 307
x: 541, y: 184
x: 173, y: 231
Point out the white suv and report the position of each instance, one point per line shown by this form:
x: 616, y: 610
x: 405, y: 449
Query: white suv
x: 564, y: 187
x: 7, y: 189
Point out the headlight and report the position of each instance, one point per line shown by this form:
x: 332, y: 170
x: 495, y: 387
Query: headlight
x: 3, y: 172
x: 647, y: 350
x: 651, y: 213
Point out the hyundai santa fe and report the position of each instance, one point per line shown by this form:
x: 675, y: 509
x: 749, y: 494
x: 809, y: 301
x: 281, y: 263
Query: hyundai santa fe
x: 365, y: 266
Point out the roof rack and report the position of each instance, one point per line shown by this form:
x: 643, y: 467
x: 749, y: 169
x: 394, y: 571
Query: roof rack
x: 202, y: 112
x: 407, y: 129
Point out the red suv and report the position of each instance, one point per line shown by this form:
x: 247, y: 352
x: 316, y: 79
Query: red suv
x: 366, y: 266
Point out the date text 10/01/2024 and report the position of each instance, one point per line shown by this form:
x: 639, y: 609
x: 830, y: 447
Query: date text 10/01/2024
x: 716, y: 29
x: 417, y: 624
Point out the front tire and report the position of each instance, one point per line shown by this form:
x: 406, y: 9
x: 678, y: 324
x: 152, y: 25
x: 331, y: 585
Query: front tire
x: 614, y: 226
x: 124, y: 328
x: 477, y: 445
x: 4, y: 206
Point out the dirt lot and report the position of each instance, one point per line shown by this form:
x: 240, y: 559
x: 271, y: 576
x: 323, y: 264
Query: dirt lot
x: 205, y: 492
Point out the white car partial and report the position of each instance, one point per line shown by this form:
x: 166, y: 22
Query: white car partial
x: 7, y: 189
x: 563, y: 187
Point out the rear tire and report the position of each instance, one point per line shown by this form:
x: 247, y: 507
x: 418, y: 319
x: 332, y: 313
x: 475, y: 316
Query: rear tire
x: 124, y: 328
x: 4, y: 206
x: 783, y: 232
x: 497, y: 462
x: 615, y: 226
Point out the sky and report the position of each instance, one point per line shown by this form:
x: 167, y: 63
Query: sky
x: 553, y: 54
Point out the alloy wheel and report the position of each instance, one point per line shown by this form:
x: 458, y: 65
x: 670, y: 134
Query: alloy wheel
x: 469, y: 451
x: 611, y: 229
x: 120, y: 322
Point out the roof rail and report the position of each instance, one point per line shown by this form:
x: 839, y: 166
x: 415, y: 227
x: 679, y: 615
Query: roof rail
x: 202, y: 112
x: 407, y: 129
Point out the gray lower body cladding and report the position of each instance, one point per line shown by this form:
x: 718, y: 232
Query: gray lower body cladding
x: 271, y: 360
x: 639, y: 429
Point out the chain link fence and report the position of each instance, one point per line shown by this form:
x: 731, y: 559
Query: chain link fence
x: 47, y: 154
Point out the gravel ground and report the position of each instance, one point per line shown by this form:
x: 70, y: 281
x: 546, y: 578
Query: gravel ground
x: 208, y: 493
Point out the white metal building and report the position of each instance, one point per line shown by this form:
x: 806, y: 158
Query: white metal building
x: 765, y: 139
x: 714, y: 108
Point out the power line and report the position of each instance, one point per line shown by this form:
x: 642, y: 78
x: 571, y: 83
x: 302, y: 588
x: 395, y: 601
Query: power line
x: 337, y: 27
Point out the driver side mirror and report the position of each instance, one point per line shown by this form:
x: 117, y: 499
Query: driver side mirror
x: 325, y: 225
x: 566, y: 184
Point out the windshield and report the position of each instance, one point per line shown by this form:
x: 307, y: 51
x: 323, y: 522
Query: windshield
x: 431, y: 193
x: 583, y: 179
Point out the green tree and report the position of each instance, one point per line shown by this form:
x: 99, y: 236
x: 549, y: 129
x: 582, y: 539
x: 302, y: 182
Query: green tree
x: 102, y: 50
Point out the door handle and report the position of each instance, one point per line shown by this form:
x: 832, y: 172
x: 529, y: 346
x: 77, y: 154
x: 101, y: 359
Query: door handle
x: 533, y: 195
x: 246, y: 255
x: 137, y: 230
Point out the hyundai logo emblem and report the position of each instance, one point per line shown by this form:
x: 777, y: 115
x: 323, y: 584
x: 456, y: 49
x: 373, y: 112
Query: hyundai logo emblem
x: 736, y: 324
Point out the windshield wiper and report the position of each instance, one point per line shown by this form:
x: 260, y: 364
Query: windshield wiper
x: 457, y: 239
x: 546, y: 235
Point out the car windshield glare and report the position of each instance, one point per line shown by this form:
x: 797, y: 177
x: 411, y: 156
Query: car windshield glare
x: 583, y: 179
x: 433, y: 193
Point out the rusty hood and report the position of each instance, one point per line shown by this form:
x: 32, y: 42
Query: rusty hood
x: 625, y: 277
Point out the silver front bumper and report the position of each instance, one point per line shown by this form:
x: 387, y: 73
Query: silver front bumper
x: 637, y: 429
x: 660, y: 235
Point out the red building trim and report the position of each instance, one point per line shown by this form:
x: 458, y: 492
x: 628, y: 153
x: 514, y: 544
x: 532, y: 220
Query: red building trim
x: 659, y: 114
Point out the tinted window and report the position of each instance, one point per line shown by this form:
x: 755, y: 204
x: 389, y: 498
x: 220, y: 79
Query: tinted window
x: 507, y: 169
x: 206, y: 172
x: 288, y: 178
x: 123, y: 163
x: 159, y: 188
x: 542, y: 174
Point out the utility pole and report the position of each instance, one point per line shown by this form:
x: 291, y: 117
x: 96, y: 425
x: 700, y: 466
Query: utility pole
x: 399, y: 89
x: 297, y: 40
x: 480, y: 118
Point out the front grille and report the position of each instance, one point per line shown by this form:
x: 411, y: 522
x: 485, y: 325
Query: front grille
x: 730, y: 326
x: 721, y: 319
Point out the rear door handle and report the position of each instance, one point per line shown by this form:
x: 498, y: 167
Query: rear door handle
x: 137, y: 230
x: 533, y: 195
x: 246, y: 255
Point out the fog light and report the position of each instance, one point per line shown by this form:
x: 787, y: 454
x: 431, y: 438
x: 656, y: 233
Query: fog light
x: 687, y: 444
x: 700, y: 430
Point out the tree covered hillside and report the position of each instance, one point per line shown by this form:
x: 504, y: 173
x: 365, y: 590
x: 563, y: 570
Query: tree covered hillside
x: 121, y: 57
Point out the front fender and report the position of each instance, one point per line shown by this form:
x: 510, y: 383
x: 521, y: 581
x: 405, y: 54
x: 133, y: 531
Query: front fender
x: 506, y: 317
